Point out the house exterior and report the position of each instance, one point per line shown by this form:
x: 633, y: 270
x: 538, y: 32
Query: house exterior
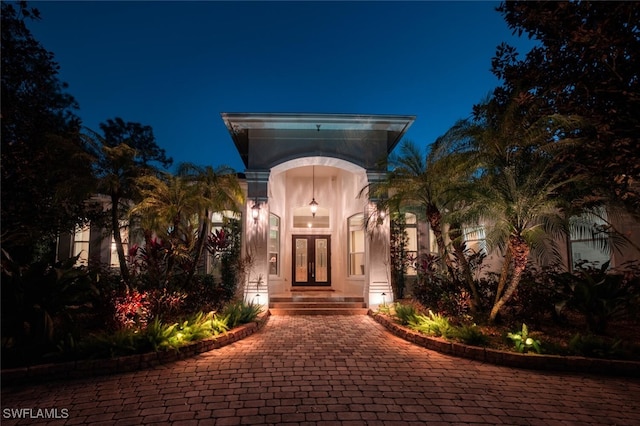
x: 294, y: 162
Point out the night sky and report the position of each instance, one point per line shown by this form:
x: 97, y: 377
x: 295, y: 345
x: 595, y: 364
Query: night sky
x: 177, y: 65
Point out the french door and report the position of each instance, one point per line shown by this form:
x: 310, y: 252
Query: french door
x: 311, y: 260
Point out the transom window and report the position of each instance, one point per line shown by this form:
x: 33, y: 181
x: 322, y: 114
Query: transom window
x: 302, y: 218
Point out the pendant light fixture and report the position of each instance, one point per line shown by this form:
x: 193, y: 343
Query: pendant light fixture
x: 313, y: 205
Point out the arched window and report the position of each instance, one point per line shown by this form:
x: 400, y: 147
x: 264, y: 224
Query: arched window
x: 355, y: 225
x: 274, y: 244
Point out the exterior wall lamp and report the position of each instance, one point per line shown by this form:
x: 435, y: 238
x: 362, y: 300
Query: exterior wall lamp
x: 255, y: 211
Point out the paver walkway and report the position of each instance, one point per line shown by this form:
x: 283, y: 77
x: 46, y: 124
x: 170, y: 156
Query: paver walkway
x: 328, y: 370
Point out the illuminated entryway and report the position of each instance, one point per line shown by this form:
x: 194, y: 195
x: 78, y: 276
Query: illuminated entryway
x: 292, y: 159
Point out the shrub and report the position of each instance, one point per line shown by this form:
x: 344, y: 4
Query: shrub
x: 239, y: 312
x: 602, y: 295
x: 522, y: 342
x: 438, y: 292
x: 470, y: 335
x: 432, y: 324
x: 590, y: 345
x: 405, y: 313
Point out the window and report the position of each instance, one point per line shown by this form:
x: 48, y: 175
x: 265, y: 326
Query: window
x: 411, y: 248
x: 81, y: 239
x: 302, y: 218
x: 218, y: 221
x: 356, y: 244
x: 588, y: 239
x: 475, y: 238
x: 274, y: 244
x: 124, y: 234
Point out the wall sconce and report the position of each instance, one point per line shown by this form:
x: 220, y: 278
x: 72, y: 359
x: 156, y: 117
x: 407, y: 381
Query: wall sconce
x: 255, y: 211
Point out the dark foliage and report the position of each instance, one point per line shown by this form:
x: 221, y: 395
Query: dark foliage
x: 437, y: 291
x: 586, y: 65
x: 46, y: 172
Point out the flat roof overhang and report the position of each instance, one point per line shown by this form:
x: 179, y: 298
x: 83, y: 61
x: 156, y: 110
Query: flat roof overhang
x: 239, y: 124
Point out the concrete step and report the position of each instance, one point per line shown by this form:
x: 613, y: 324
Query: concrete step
x: 305, y: 299
x: 316, y: 305
x: 318, y: 311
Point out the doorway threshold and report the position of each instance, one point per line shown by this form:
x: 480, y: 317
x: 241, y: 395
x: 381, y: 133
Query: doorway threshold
x: 311, y: 288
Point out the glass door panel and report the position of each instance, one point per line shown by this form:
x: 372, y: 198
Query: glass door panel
x: 302, y: 270
x: 321, y: 264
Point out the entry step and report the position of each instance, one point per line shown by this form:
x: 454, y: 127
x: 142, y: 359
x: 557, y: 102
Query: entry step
x: 317, y: 305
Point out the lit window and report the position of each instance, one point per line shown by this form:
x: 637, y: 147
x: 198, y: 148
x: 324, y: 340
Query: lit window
x: 356, y: 244
x: 81, y: 239
x: 124, y: 235
x: 274, y: 245
x: 588, y: 240
x: 302, y: 218
x: 475, y: 238
x: 411, y: 247
x: 433, y: 244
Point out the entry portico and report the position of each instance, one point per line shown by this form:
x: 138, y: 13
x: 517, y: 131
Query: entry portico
x: 292, y: 159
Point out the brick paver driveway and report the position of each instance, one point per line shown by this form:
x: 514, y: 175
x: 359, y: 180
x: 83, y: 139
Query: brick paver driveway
x: 315, y: 370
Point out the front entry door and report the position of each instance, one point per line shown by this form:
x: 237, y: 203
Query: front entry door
x: 312, y: 260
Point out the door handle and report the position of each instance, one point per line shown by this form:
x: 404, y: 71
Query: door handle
x: 313, y: 270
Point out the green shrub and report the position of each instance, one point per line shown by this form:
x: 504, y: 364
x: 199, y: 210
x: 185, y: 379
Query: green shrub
x: 239, y: 312
x: 470, y: 335
x: 603, y: 295
x: 405, y: 313
x: 522, y: 342
x: 594, y: 346
x: 432, y: 324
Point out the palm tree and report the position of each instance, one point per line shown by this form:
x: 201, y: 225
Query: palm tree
x: 169, y: 209
x: 428, y: 182
x: 220, y: 189
x: 178, y: 209
x: 116, y: 171
x: 517, y: 188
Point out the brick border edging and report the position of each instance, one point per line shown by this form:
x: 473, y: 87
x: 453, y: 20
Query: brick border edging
x: 129, y: 363
x: 574, y: 364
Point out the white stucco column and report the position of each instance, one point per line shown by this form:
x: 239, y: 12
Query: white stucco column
x: 255, y: 253
x: 377, y: 252
x: 256, y: 232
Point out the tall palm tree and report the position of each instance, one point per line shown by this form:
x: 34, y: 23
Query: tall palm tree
x: 428, y: 183
x: 116, y: 171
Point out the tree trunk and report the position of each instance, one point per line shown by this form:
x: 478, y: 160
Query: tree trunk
x: 519, y: 250
x: 504, y: 274
x: 466, y: 269
x: 117, y: 237
x: 202, y: 237
x: 435, y: 221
